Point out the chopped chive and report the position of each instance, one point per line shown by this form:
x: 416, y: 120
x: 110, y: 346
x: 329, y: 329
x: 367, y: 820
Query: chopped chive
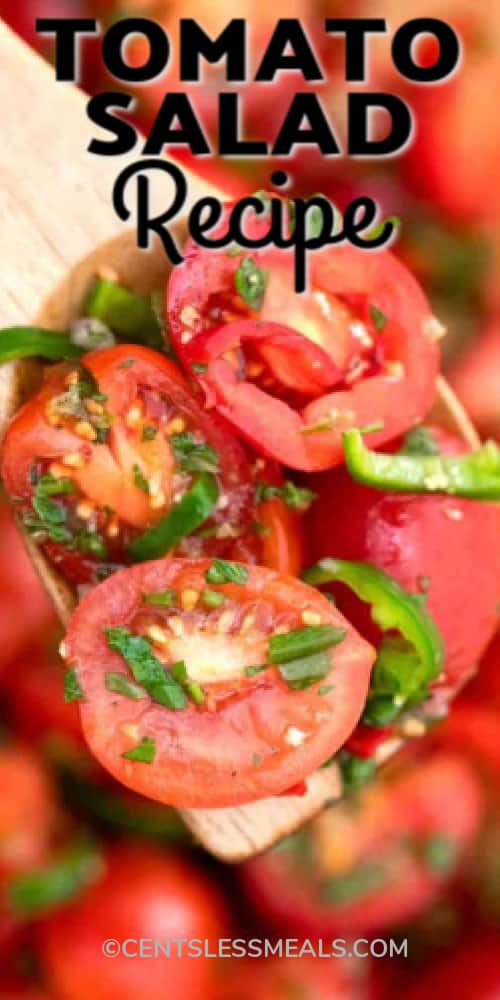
x: 224, y: 571
x: 212, y: 598
x: 140, y: 479
x: 439, y: 853
x: 144, y: 752
x: 378, y: 318
x: 182, y: 519
x: 72, y: 688
x: 120, y: 684
x: 193, y: 455
x: 160, y: 598
x: 42, y: 890
x: 296, y: 497
x: 303, y: 671
x: 420, y: 440
x: 325, y: 689
x: 146, y: 668
x: 149, y: 432
x: 304, y: 642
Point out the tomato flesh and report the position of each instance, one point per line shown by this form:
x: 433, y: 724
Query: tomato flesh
x: 293, y: 373
x: 122, y: 447
x: 253, y: 735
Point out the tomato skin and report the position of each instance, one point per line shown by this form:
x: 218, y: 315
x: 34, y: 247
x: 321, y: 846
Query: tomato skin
x: 28, y: 810
x: 424, y: 542
x: 206, y: 757
x: 144, y: 894
x: 283, y: 978
x: 19, y: 587
x: 352, y: 278
x: 440, y: 796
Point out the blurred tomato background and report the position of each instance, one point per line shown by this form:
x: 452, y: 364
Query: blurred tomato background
x: 416, y: 856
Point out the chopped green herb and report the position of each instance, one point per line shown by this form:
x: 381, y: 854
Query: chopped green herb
x: 50, y: 486
x: 199, y: 367
x: 356, y: 771
x: 224, y: 571
x: 72, y: 689
x: 144, y: 752
x: 128, y: 363
x: 303, y: 642
x: 146, y: 668
x: 325, y: 689
x: 212, y: 598
x: 420, y: 440
x: 295, y: 497
x: 439, y: 853
x: 378, y: 318
x: 193, y: 690
x: 251, y: 282
x: 301, y: 672
x: 362, y: 880
x: 193, y: 455
x: 140, y: 479
x: 149, y: 432
x: 256, y: 759
x: 121, y: 684
x: 253, y: 671
x: 160, y: 598
x: 36, y: 892
x: 260, y: 529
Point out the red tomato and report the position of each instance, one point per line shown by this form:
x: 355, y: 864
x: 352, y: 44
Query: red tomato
x: 485, y: 687
x: 19, y: 587
x: 35, y: 705
x: 427, y: 543
x: 128, y: 459
x: 473, y: 970
x: 248, y: 736
x: 364, y: 330
x: 286, y: 978
x: 27, y: 809
x: 145, y: 894
x: 475, y: 380
x: 453, y: 120
x: 374, y: 861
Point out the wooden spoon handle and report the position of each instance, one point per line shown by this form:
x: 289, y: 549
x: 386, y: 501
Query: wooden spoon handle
x: 55, y: 196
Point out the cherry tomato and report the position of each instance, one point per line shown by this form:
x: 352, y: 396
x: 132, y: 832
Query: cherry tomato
x: 452, y: 120
x: 291, y: 372
x: 145, y: 895
x: 374, y: 861
x: 429, y: 544
x: 475, y: 380
x: 243, y: 731
x: 27, y: 809
x: 120, y: 442
x: 485, y: 686
x: 473, y: 970
x: 19, y: 587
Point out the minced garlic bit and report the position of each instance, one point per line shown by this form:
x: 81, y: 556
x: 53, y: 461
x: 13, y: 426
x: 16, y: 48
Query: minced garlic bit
x: 189, y: 315
x: 85, y: 509
x: 360, y: 332
x: 413, y: 728
x: 175, y: 625
x: 310, y: 617
x: 157, y: 635
x: 433, y: 329
x: 74, y: 460
x: 133, y: 417
x: 131, y: 730
x: 294, y: 737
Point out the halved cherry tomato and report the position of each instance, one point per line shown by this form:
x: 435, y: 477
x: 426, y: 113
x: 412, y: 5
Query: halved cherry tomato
x: 363, y: 330
x: 485, y: 686
x: 27, y: 809
x: 432, y: 545
x: 144, y: 896
x: 120, y: 442
x: 374, y: 861
x: 19, y: 587
x: 245, y: 729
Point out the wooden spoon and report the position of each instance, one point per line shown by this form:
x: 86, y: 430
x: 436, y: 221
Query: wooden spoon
x: 58, y: 228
